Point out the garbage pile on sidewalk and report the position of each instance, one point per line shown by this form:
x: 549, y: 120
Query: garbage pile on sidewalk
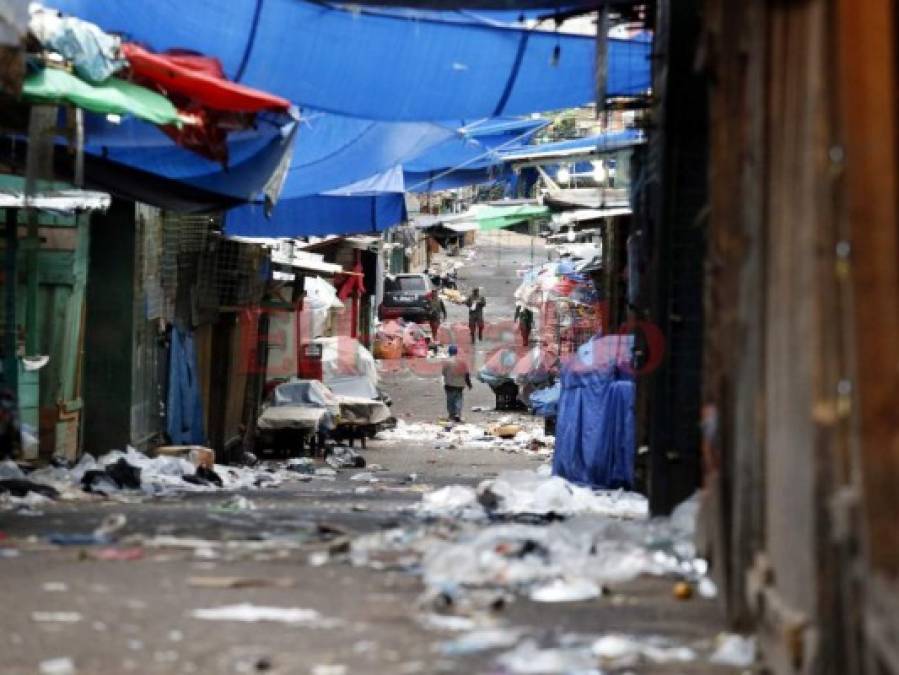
x: 505, y: 435
x: 132, y: 473
x: 545, y: 539
x: 531, y: 535
x: 531, y: 494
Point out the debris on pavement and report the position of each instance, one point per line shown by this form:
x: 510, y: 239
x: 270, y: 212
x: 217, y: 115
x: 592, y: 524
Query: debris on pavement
x: 59, y: 666
x: 504, y: 436
x: 734, y: 650
x: 531, y: 493
x: 624, y: 651
x: 481, y: 640
x: 240, y: 582
x: 56, y: 617
x: 565, y: 590
x: 343, y: 457
x: 528, y: 658
x: 249, y: 613
x: 118, y: 554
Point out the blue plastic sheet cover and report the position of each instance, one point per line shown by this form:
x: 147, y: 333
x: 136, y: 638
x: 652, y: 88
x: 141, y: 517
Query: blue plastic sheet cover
x: 476, y: 146
x: 471, y: 157
x: 595, y: 427
x: 184, y: 412
x: 545, y: 402
x: 432, y: 181
x: 387, y: 66
x: 318, y: 216
x: 329, y: 151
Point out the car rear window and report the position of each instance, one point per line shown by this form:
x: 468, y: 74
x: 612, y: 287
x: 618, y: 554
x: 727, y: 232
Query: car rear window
x: 409, y: 284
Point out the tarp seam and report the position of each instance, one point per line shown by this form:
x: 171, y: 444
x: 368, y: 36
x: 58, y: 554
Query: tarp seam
x: 513, y: 76
x: 251, y: 40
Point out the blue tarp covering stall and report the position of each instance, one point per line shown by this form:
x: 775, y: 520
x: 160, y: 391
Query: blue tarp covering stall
x: 595, y: 437
x: 374, y: 65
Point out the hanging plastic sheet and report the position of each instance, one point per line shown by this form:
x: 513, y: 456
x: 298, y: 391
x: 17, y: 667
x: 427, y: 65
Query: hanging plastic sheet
x: 184, y: 423
x: 52, y: 85
x: 94, y: 54
x: 372, y: 64
x: 201, y: 79
x: 138, y: 161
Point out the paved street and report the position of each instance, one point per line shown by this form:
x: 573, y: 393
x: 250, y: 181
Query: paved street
x: 373, y: 615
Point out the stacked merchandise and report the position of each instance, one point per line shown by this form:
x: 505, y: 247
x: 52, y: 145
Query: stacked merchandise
x: 565, y: 306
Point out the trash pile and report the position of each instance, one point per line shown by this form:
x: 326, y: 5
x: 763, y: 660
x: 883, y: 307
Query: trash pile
x: 130, y: 473
x: 544, y: 539
x: 505, y: 435
x: 531, y: 494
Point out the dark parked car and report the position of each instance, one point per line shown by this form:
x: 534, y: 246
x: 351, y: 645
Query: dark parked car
x: 410, y: 297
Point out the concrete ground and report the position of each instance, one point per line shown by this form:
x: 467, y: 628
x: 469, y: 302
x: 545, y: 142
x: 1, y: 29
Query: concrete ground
x: 122, y: 616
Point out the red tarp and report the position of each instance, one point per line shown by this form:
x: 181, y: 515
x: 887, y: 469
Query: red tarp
x: 197, y: 85
x: 201, y: 79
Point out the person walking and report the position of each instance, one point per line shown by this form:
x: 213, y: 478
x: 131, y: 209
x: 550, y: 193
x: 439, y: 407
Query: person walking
x: 437, y: 309
x: 456, y: 377
x: 475, y: 303
x: 525, y: 318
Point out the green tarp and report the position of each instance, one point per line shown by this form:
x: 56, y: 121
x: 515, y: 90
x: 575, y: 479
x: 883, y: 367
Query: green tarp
x: 496, y: 217
x: 114, y: 96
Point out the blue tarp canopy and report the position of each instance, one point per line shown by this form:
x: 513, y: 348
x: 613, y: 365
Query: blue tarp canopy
x: 488, y: 158
x: 401, y: 65
x: 471, y: 157
x: 329, y: 151
x: 370, y: 205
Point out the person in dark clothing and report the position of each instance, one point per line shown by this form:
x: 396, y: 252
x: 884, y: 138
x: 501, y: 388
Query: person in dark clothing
x: 475, y: 303
x: 10, y: 426
x: 525, y: 318
x: 456, y: 377
x: 438, y: 310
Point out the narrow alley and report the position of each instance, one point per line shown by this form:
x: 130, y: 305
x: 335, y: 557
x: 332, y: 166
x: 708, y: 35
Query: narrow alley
x: 356, y: 567
x: 398, y: 337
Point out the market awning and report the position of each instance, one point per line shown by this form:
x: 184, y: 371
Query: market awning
x: 114, y: 96
x: 61, y: 201
x: 329, y: 152
x: 319, y: 215
x: 575, y: 149
x: 462, y: 227
x: 496, y: 217
x: 371, y: 64
x: 289, y: 253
